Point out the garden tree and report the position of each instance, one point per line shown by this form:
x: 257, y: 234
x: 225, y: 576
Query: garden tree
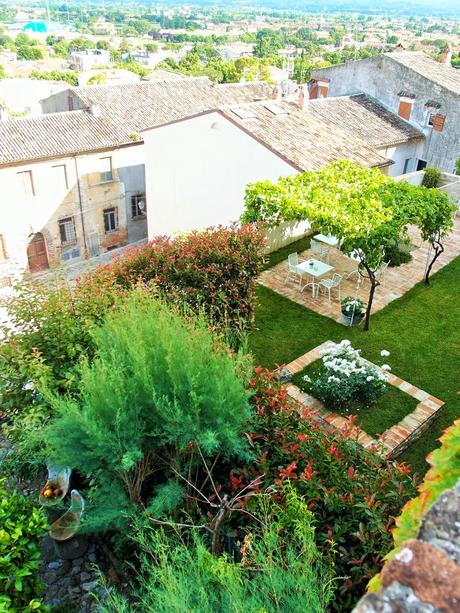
x: 80, y: 44
x: 161, y: 394
x: 24, y: 40
x: 367, y: 211
x: 6, y: 42
x: 2, y: 72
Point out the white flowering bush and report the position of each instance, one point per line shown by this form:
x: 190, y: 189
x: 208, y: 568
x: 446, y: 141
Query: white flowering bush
x: 346, y: 377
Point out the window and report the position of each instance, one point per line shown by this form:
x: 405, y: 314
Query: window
x: 27, y: 182
x: 60, y: 174
x: 67, y: 231
x: 421, y: 164
x: 106, y: 169
x: 110, y: 219
x: 138, y: 206
x: 407, y: 164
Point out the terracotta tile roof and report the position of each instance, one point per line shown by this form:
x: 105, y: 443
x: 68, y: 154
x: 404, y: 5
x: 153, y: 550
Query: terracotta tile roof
x: 56, y: 134
x: 124, y: 110
x: 144, y: 105
x: 363, y: 117
x: 307, y: 143
x: 441, y: 74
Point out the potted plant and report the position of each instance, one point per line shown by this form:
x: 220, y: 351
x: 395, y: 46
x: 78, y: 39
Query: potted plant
x: 353, y: 310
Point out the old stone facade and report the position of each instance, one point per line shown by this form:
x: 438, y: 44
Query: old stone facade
x: 421, y: 91
x: 65, y: 209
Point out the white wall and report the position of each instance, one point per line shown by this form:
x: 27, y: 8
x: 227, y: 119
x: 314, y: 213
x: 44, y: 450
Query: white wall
x: 399, y: 154
x: 197, y: 171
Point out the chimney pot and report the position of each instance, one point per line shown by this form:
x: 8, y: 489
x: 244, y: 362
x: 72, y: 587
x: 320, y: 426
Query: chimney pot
x: 95, y: 110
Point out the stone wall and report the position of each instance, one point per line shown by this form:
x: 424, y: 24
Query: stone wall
x: 424, y: 576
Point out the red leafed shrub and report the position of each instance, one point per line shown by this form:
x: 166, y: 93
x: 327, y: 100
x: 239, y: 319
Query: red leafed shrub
x: 353, y: 494
x: 213, y: 270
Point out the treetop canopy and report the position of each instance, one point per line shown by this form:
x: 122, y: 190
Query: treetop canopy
x: 361, y: 206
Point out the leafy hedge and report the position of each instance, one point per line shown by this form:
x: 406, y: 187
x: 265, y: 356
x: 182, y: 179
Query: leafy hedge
x: 21, y: 527
x: 214, y: 269
x: 353, y: 494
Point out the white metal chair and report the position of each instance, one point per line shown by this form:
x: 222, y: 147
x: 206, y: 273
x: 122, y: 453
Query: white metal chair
x: 380, y: 272
x: 293, y: 268
x: 332, y: 283
x: 321, y: 251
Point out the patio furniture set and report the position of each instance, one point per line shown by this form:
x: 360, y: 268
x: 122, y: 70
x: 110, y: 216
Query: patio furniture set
x: 319, y: 265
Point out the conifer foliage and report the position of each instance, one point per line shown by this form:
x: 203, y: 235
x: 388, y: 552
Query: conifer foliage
x: 160, y: 386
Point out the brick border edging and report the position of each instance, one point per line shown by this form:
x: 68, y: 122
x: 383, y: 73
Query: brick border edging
x: 395, y: 439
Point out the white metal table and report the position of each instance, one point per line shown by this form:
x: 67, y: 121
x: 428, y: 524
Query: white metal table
x: 314, y: 268
x: 330, y: 240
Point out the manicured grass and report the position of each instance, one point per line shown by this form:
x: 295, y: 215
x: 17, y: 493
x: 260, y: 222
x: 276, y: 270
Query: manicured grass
x: 387, y: 411
x: 421, y: 330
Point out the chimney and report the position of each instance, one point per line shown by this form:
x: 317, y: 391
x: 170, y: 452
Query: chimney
x: 275, y: 93
x: 95, y: 110
x: 301, y: 101
x: 446, y: 55
x: 4, y: 116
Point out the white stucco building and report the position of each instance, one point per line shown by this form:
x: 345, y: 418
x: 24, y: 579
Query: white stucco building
x: 197, y: 168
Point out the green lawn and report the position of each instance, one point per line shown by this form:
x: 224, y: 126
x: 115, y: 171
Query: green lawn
x: 421, y: 330
x: 389, y: 409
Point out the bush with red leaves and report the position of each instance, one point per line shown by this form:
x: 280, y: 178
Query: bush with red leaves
x: 353, y: 494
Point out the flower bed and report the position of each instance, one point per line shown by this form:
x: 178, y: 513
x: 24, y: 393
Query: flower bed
x: 349, y: 385
x: 395, y: 439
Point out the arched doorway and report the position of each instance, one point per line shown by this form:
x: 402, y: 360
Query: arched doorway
x: 36, y: 253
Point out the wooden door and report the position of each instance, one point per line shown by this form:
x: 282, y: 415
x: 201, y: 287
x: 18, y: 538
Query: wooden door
x: 36, y: 253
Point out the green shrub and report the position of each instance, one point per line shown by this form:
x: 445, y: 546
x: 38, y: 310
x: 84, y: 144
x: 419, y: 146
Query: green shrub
x: 214, y: 270
x: 353, y: 494
x: 281, y: 570
x: 457, y: 166
x: 396, y: 256
x: 431, y: 177
x: 21, y: 527
x: 159, y: 387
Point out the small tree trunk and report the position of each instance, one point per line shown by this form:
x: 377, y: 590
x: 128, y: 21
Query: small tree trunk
x: 374, y: 285
x: 217, y: 524
x: 438, y: 248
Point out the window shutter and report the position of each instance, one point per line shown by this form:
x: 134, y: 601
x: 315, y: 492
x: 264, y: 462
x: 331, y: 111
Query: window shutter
x: 405, y: 109
x: 438, y: 122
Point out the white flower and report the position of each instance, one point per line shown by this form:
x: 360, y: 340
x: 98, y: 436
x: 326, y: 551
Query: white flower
x: 384, y: 353
x: 306, y: 378
x: 385, y: 367
x: 369, y: 378
x: 345, y: 343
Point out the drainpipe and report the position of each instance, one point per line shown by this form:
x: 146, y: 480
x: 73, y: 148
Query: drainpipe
x: 80, y: 205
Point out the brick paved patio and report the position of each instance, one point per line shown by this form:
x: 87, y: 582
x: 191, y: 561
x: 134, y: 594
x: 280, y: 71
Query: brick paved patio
x: 395, y: 439
x: 397, y: 281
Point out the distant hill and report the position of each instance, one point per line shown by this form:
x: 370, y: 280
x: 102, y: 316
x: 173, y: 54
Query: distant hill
x: 402, y: 7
